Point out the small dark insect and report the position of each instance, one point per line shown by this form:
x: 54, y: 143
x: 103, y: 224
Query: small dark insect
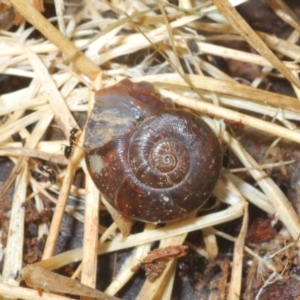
x: 47, y: 169
x: 68, y: 151
x: 69, y: 148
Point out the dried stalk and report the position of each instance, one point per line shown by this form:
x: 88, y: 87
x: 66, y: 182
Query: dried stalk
x: 34, y: 17
x: 234, y: 292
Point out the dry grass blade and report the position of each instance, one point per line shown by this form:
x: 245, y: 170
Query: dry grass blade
x: 279, y: 201
x: 247, y: 249
x: 208, y: 60
x: 282, y: 206
x: 230, y: 53
x: 252, y: 194
x: 37, y: 20
x: 253, y: 39
x: 105, y: 235
x: 157, y: 289
x: 38, y: 277
x: 231, y: 88
x: 8, y: 290
x: 231, y: 213
x: 13, y: 258
x: 59, y: 107
x: 285, y: 13
x: 126, y: 273
x: 90, y: 242
x: 237, y: 263
x: 62, y: 201
x: 284, y: 47
x: 42, y: 190
x: 234, y: 116
x: 59, y: 8
x: 58, y: 159
x: 14, y: 173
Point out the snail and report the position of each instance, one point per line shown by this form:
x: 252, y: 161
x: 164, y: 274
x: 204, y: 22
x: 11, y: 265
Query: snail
x: 151, y: 161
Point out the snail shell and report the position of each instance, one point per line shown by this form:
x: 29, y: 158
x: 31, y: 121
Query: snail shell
x: 152, y: 162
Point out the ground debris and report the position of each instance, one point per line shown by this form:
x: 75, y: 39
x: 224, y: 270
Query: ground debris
x: 156, y: 260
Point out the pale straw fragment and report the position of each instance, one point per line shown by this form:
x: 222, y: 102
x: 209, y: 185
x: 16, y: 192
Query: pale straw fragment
x: 211, y: 245
x: 14, y: 248
x: 42, y: 228
x: 280, y: 203
x: 61, y: 112
x: 253, y: 39
x: 65, y: 119
x: 110, y: 231
x: 42, y: 190
x: 179, y: 227
x: 227, y: 193
x: 235, y: 102
x: 228, y: 237
x: 62, y: 199
x: 44, y: 26
x: 225, y: 113
x: 281, y: 46
x: 59, y: 8
x: 285, y: 13
x: 54, y: 158
x: 252, y: 194
x: 115, y: 41
x: 234, y: 292
x: 7, y: 290
x: 126, y: 273
x: 224, y: 87
x: 160, y: 288
x: 8, y: 130
x: 90, y: 237
x: 289, y: 49
x: 51, y: 147
x: 40, y: 278
x: 236, y: 54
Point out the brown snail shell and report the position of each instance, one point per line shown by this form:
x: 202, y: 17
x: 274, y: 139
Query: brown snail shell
x: 152, y: 162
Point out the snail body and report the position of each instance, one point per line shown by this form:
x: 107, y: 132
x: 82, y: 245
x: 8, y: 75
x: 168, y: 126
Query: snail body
x: 151, y: 161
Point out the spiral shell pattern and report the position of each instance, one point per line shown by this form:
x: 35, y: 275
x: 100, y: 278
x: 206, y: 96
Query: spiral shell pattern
x: 151, y: 161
